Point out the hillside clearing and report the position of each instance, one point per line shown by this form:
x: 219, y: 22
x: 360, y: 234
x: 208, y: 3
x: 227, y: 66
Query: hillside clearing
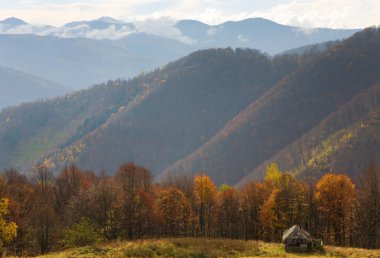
x: 198, y: 247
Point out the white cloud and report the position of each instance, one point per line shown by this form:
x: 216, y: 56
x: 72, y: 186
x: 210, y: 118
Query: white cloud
x: 306, y: 30
x: 110, y: 33
x: 214, y: 30
x: 242, y: 39
x: 164, y: 26
x: 22, y: 29
x: 304, y: 13
x: 325, y: 13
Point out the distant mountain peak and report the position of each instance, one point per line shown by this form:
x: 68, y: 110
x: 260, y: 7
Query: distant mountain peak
x: 109, y: 20
x: 13, y: 21
x: 101, y: 23
x: 257, y: 21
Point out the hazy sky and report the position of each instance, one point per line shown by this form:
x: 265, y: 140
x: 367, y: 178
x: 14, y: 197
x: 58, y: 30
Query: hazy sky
x: 305, y: 13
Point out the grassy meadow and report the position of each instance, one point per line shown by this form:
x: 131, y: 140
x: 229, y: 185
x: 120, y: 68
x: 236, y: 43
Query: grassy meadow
x: 198, y: 247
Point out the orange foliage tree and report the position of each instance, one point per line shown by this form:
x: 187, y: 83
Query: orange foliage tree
x: 176, y: 212
x: 204, y: 192
x: 336, y: 205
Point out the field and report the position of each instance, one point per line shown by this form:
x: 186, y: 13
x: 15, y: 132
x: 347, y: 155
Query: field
x: 191, y: 247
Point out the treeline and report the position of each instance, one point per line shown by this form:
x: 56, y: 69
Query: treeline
x: 78, y: 207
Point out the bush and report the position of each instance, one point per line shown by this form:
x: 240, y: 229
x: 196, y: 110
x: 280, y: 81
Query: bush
x: 81, y: 234
x: 317, y: 245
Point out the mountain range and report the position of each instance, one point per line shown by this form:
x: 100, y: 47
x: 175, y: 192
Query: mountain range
x: 81, y: 53
x: 227, y: 112
x: 255, y: 33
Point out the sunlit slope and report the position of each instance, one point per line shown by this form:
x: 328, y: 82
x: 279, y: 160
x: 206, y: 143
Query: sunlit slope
x: 290, y: 109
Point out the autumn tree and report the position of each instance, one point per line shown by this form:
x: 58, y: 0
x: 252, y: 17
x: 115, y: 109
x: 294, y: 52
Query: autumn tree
x: 291, y: 205
x: 66, y: 185
x: 228, y: 212
x: 8, y: 230
x: 43, y: 219
x: 311, y: 218
x: 253, y: 195
x: 135, y: 198
x: 17, y: 188
x: 286, y: 204
x: 336, y: 205
x: 268, y: 217
x: 105, y: 208
x: 204, y: 192
x: 369, y: 206
x: 273, y: 174
x: 184, y: 182
x: 175, y: 211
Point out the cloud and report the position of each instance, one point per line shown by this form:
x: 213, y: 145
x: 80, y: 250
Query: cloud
x: 164, y: 26
x: 325, y: 13
x: 306, y: 31
x: 242, y: 39
x: 22, y: 29
x: 214, y: 30
x: 215, y: 16
x: 80, y: 31
x: 303, y: 13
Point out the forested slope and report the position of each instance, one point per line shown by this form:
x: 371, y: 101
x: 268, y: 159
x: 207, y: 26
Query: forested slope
x: 344, y: 142
x: 290, y: 109
x: 222, y: 111
x: 153, y: 119
x: 198, y: 95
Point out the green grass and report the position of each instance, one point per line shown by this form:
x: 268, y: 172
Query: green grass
x: 201, y: 247
x: 39, y: 145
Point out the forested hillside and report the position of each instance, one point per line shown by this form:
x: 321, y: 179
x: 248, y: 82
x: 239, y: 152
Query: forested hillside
x: 154, y: 119
x: 198, y: 95
x: 30, y: 131
x: 292, y: 107
x: 82, y: 53
x: 345, y: 141
x: 222, y: 111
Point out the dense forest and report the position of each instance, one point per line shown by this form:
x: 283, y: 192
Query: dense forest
x: 45, y: 212
x: 267, y: 131
x: 229, y: 112
x: 160, y: 116
x: 291, y: 108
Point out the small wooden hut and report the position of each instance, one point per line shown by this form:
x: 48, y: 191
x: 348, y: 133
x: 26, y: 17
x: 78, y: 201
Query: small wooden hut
x: 297, y: 239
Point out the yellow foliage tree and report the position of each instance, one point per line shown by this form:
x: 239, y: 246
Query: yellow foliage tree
x: 205, y: 192
x: 273, y: 174
x: 8, y: 231
x: 268, y: 218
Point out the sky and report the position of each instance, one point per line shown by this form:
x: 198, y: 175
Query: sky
x: 302, y: 13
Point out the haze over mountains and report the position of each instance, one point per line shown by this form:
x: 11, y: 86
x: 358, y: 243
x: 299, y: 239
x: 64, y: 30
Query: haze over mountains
x: 18, y: 87
x: 223, y: 111
x: 255, y: 33
x: 82, y: 53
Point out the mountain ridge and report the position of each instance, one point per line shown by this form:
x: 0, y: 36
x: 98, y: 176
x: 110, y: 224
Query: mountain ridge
x: 217, y: 160
x: 302, y: 156
x: 221, y: 111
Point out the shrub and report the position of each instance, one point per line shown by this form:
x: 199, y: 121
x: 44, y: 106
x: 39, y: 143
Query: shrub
x: 81, y: 234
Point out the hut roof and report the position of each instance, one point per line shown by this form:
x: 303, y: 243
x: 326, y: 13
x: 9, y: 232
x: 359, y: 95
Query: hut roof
x: 296, y: 231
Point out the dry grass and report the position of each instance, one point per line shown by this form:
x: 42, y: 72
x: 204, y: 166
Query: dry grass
x: 198, y: 247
